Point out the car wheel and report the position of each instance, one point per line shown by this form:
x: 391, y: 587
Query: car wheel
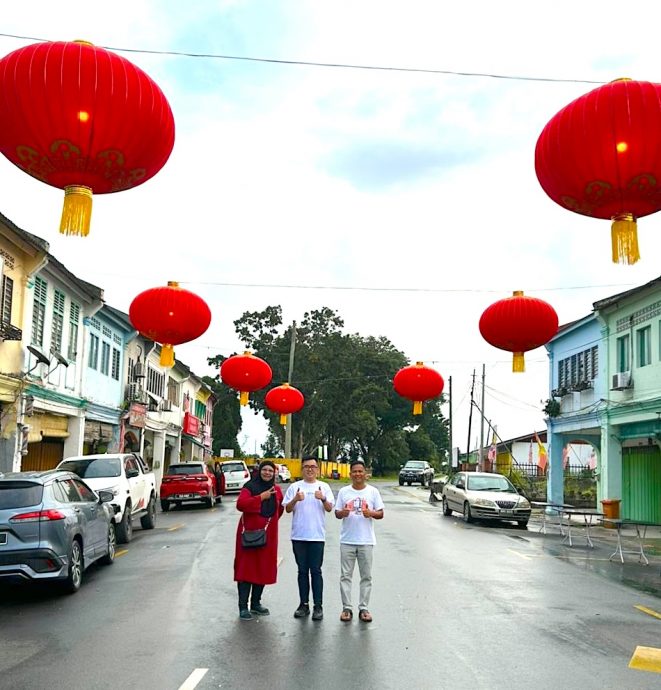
x: 75, y: 572
x: 523, y: 524
x: 125, y: 527
x: 109, y: 558
x: 467, y: 512
x: 165, y: 506
x: 210, y: 501
x: 446, y: 508
x: 148, y: 521
x: 401, y: 483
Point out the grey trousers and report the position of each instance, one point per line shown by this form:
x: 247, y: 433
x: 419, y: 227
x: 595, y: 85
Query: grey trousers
x: 349, y: 554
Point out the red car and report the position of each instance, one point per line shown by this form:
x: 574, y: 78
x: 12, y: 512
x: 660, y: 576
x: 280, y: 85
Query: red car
x: 190, y: 481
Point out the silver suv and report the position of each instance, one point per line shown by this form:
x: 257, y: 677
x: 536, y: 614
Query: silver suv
x: 52, y: 526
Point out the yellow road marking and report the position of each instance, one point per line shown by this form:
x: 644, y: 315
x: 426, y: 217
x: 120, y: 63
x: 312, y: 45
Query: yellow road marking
x: 280, y: 559
x: 646, y: 659
x: 121, y: 553
x: 520, y: 555
x: 172, y: 529
x: 650, y: 612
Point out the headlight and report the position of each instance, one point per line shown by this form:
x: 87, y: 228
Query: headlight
x: 484, y: 502
x: 524, y: 503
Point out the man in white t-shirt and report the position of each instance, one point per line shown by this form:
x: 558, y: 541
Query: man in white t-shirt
x: 309, y: 500
x: 357, y: 506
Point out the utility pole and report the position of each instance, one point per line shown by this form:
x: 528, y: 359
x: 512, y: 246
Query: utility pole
x: 470, y: 420
x: 481, y: 459
x: 450, y: 422
x: 292, y: 348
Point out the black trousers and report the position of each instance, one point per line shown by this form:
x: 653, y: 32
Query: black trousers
x: 309, y: 557
x: 247, y: 590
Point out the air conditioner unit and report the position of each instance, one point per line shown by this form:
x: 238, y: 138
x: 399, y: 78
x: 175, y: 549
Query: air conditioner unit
x: 133, y: 392
x: 166, y: 406
x: 622, y: 381
x: 138, y: 371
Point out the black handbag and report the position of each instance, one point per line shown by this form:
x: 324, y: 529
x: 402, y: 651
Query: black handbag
x: 253, y: 538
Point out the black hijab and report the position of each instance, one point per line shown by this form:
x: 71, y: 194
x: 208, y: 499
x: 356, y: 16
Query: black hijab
x: 258, y: 485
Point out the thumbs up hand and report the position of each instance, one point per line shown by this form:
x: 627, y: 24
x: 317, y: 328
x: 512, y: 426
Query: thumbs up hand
x: 319, y: 493
x: 300, y: 496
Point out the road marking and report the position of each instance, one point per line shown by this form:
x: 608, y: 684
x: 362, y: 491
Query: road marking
x: 646, y: 659
x: 280, y: 559
x: 650, y: 612
x: 123, y: 552
x: 172, y: 529
x: 194, y: 678
x: 520, y: 555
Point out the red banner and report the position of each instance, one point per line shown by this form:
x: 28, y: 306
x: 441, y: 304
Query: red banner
x: 191, y: 424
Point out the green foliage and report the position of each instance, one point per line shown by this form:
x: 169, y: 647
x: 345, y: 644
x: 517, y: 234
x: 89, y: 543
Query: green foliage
x: 551, y: 408
x: 226, y: 422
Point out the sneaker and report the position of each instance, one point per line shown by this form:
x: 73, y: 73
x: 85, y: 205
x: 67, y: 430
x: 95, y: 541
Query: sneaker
x: 302, y: 611
x: 317, y: 613
x: 259, y: 610
x: 245, y: 615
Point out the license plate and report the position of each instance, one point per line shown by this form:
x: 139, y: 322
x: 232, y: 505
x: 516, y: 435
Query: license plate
x: 232, y: 486
x: 185, y: 496
x: 507, y: 512
x: 3, y: 537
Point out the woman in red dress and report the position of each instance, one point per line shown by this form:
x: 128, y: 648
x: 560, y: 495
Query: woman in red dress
x: 260, y: 503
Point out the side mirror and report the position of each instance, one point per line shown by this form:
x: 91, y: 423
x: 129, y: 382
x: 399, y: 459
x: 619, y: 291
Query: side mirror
x: 460, y: 485
x: 105, y: 496
x: 132, y: 473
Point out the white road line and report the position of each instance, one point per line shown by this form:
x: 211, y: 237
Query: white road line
x: 194, y: 678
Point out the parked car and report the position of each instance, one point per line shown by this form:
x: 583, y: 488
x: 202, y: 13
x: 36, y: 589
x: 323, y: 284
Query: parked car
x: 416, y: 471
x: 283, y: 474
x: 188, y: 481
x: 236, y: 474
x: 52, y: 527
x: 485, y: 496
x: 128, y: 477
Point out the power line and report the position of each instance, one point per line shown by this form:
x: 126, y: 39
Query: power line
x: 335, y: 65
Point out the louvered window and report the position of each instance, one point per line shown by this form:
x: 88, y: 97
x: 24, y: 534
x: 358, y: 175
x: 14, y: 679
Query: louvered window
x: 74, y: 319
x: 7, y: 294
x: 39, y: 311
x: 58, y: 322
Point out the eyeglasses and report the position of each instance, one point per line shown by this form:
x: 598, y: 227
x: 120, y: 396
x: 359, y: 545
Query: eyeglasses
x: 310, y: 467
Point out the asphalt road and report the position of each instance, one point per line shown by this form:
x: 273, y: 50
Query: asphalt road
x: 455, y: 606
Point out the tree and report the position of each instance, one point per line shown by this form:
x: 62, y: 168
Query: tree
x: 226, y: 422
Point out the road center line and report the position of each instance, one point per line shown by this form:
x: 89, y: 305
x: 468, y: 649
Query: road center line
x: 280, y: 559
x: 121, y: 553
x: 649, y: 612
x: 172, y: 529
x: 520, y: 555
x: 194, y: 678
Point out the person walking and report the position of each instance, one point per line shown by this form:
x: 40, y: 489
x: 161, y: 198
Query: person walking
x: 309, y: 500
x: 260, y: 503
x: 357, y: 505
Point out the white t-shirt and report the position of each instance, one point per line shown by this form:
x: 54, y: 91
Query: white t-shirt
x: 357, y: 529
x: 309, y: 515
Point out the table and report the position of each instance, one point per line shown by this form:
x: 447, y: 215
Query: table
x: 641, y: 530
x: 587, y: 515
x: 555, y: 507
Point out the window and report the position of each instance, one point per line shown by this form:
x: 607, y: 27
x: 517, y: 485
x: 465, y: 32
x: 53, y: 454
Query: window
x: 200, y: 409
x: 105, y: 357
x: 173, y: 391
x: 155, y: 381
x: 623, y: 354
x: 579, y: 368
x: 93, y: 361
x: 74, y: 318
x: 58, y: 322
x: 644, y: 346
x: 85, y: 492
x: 115, y: 364
x: 69, y: 489
x: 7, y: 294
x: 39, y: 311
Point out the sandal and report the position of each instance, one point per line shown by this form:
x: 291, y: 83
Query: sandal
x: 346, y: 615
x: 365, y: 616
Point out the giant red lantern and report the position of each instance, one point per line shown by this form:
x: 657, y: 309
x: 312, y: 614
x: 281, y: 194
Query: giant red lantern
x: 84, y: 119
x: 418, y: 383
x: 284, y: 400
x: 246, y: 373
x: 170, y: 316
x: 601, y: 156
x: 518, y: 324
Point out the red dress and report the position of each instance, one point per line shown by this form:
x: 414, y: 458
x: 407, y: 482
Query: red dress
x: 258, y: 566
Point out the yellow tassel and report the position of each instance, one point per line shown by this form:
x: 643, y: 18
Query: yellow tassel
x: 77, y: 211
x: 283, y: 419
x: 167, y: 356
x: 243, y: 398
x: 624, y: 237
x: 417, y: 407
x: 518, y: 362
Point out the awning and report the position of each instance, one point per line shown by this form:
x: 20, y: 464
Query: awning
x: 41, y: 425
x: 195, y: 442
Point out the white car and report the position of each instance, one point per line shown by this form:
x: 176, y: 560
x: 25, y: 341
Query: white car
x: 236, y: 474
x: 485, y: 496
x: 283, y: 474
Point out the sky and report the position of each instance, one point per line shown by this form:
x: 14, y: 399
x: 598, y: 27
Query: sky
x: 408, y: 202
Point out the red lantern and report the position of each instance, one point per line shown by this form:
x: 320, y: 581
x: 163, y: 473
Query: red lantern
x: 246, y: 373
x: 84, y: 119
x: 284, y: 400
x: 601, y: 156
x: 418, y: 383
x: 170, y: 316
x: 518, y: 324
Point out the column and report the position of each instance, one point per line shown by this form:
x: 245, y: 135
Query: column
x: 159, y: 455
x: 555, y: 485
x: 73, y: 444
x: 610, y: 463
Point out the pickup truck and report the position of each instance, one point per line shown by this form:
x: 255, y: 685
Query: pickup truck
x: 132, y: 484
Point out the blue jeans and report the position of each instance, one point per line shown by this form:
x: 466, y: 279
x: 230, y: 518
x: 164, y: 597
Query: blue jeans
x: 309, y: 557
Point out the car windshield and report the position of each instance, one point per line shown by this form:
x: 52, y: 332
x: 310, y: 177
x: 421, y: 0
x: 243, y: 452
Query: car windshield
x: 90, y: 468
x: 185, y: 469
x: 233, y: 467
x: 20, y: 494
x: 414, y: 465
x: 490, y: 484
